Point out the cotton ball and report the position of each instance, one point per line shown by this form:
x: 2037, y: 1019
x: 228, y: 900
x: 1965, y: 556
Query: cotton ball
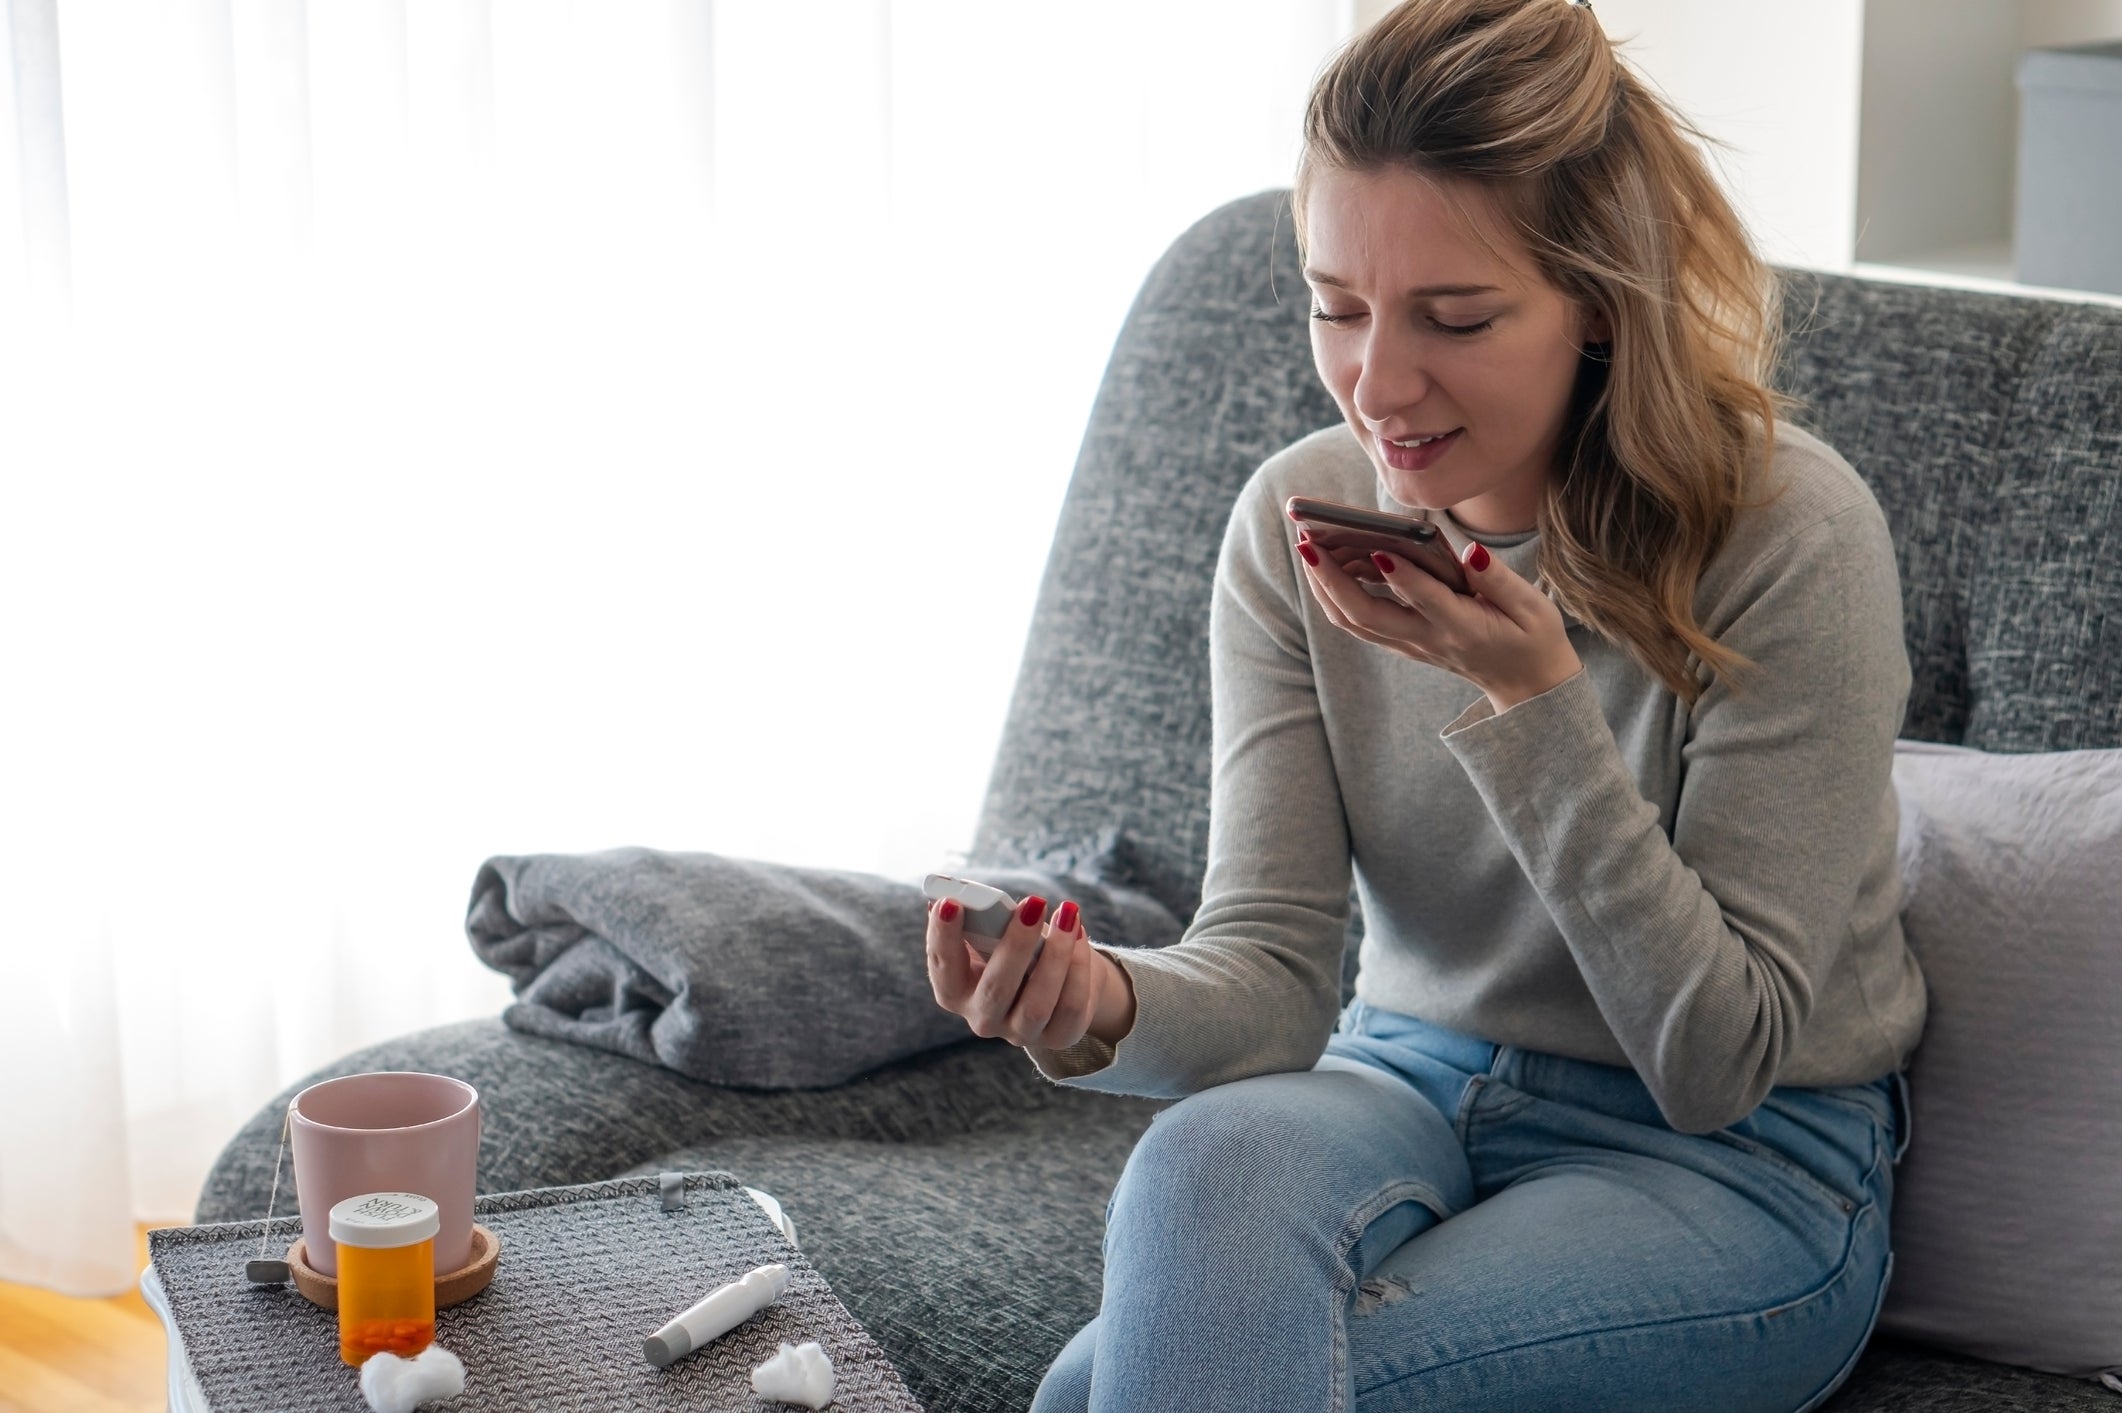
x: 800, y: 1373
x: 394, y: 1385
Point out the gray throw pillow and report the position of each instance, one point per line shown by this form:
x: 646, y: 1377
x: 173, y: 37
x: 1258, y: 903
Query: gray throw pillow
x: 2007, y: 1219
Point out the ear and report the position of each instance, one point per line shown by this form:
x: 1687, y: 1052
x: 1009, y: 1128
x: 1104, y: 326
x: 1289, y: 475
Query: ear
x: 1595, y: 327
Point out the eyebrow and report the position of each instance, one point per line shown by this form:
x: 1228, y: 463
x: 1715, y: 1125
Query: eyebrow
x: 1426, y: 292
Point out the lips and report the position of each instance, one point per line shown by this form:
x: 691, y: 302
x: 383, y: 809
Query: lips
x: 1417, y: 458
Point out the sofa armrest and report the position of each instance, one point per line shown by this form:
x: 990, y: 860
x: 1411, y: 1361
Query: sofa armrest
x: 555, y: 1112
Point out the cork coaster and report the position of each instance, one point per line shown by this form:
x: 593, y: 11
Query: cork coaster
x: 454, y: 1288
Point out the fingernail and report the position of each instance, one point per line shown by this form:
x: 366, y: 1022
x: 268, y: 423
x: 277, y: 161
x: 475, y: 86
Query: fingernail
x: 1065, y: 920
x: 1311, y: 556
x: 1477, y: 557
x: 949, y: 910
x: 1383, y: 561
x: 1033, y: 909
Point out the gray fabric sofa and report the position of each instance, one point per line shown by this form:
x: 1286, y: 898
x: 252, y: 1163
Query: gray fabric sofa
x: 955, y: 1199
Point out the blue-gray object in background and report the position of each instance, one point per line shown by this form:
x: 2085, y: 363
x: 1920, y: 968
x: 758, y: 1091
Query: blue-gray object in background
x: 2067, y: 226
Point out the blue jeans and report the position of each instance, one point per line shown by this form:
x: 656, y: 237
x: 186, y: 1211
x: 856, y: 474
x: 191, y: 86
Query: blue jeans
x: 1428, y: 1221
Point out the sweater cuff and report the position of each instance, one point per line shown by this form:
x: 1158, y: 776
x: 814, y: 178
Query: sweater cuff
x: 1137, y: 1064
x: 1088, y: 1055
x: 1555, y: 744
x: 1559, y: 704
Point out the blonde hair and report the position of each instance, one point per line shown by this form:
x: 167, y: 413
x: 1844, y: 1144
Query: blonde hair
x: 1667, y: 435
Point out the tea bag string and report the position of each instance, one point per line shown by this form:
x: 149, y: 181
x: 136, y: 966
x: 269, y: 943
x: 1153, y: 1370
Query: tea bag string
x: 274, y: 1195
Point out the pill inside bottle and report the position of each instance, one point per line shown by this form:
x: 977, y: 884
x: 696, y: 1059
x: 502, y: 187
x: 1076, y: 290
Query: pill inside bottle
x: 386, y: 1249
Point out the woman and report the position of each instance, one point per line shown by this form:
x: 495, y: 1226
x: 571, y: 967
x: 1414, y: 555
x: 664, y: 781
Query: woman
x: 1612, y: 1120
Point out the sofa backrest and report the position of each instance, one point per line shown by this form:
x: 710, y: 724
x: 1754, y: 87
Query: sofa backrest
x: 1988, y: 425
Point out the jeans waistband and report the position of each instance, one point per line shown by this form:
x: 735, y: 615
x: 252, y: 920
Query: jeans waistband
x: 1616, y: 1090
x: 1469, y: 1054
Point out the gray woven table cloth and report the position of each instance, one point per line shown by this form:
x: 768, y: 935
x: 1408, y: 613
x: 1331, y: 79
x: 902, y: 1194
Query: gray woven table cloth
x: 585, y: 1275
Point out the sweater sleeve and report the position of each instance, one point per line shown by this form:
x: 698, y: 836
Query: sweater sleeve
x: 1254, y: 984
x: 1704, y: 950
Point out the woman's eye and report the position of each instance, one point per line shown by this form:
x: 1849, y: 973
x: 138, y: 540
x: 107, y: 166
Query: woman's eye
x: 1458, y: 330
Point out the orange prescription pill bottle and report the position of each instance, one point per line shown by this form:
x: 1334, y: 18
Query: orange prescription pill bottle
x: 386, y: 1247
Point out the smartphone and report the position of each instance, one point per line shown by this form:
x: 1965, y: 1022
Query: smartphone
x: 1349, y: 533
x: 987, y: 910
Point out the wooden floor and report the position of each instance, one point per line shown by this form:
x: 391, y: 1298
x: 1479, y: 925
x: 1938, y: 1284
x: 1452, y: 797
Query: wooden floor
x: 62, y: 1355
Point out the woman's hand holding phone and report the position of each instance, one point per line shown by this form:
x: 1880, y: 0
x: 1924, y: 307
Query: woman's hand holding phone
x: 1041, y: 984
x: 1499, y: 632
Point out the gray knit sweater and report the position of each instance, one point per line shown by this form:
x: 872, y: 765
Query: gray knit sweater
x: 1709, y: 896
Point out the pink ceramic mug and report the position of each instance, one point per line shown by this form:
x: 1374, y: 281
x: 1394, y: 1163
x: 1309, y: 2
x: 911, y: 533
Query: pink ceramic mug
x: 394, y: 1131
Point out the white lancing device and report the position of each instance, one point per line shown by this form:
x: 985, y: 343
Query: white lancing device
x: 716, y: 1315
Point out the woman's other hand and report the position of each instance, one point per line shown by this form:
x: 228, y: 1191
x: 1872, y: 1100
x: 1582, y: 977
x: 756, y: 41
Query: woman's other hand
x: 1507, y: 638
x: 1051, y: 1002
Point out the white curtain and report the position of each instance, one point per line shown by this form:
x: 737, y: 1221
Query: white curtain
x: 432, y: 429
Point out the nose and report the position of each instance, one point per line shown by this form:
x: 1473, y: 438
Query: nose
x: 1391, y: 376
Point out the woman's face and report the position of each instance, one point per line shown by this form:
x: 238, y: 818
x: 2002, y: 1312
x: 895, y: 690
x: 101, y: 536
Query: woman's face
x: 1417, y: 330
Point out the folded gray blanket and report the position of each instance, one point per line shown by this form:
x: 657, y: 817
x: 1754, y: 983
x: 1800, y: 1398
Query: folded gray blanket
x: 751, y: 974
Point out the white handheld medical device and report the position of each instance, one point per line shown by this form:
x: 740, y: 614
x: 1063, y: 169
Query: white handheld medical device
x: 716, y: 1315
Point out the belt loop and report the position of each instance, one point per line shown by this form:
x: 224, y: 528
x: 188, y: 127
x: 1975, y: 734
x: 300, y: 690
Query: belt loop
x: 1351, y: 1018
x: 1905, y: 1116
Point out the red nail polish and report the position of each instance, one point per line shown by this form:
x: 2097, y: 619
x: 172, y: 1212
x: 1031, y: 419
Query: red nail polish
x: 1477, y: 557
x: 949, y: 910
x: 1311, y: 556
x: 1065, y: 920
x: 1033, y: 909
x: 1383, y: 561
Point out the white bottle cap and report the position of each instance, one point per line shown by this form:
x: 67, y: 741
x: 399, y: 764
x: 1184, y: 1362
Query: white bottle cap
x: 380, y: 1219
